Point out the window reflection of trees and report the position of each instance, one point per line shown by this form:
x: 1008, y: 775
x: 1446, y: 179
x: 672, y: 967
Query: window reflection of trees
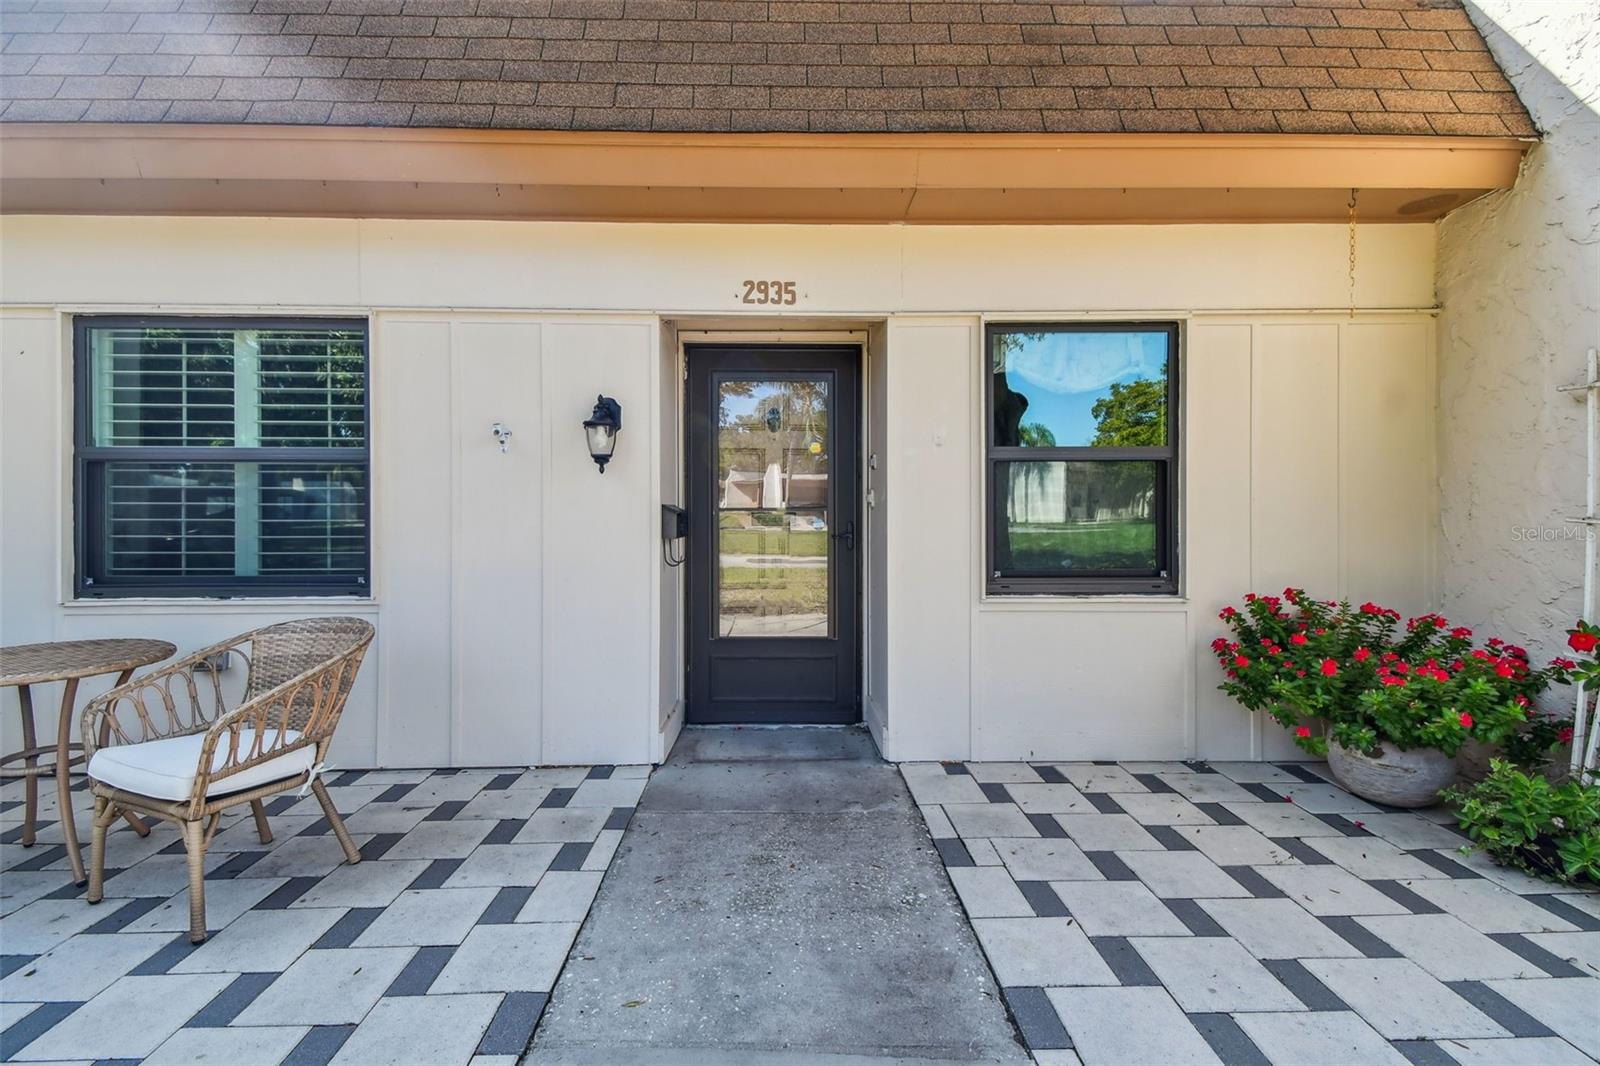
x: 1073, y: 511
x: 772, y: 448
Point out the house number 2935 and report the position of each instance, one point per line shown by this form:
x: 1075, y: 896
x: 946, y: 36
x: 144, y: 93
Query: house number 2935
x: 768, y: 292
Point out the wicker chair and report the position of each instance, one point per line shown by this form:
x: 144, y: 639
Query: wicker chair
x: 166, y: 745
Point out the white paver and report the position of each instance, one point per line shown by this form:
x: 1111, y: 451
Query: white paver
x: 1449, y: 949
x: 78, y: 969
x: 1041, y: 952
x: 1051, y: 859
x: 1277, y: 929
x: 508, y: 958
x: 561, y: 896
x: 1518, y: 1051
x: 419, y: 1029
x: 233, y: 1044
x: 502, y: 865
x: 1565, y: 1004
x: 1118, y: 1026
x: 1181, y: 874
x: 1213, y: 974
x: 1318, y: 1038
x: 130, y: 1019
x: 989, y: 892
x: 327, y: 987
x: 262, y: 941
x: 427, y: 916
x: 989, y: 820
x: 1108, y: 832
x: 1118, y: 908
x: 1487, y: 907
x: 1401, y: 1000
x: 1330, y: 890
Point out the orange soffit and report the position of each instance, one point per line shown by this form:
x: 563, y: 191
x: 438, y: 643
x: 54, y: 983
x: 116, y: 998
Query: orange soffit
x: 952, y: 178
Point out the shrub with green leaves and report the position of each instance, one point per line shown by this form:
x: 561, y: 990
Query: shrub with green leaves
x: 1426, y: 685
x: 1523, y: 820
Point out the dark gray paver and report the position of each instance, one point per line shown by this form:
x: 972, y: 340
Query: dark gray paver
x: 776, y: 898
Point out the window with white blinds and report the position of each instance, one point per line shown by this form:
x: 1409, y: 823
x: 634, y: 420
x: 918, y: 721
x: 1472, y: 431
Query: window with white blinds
x: 222, y: 457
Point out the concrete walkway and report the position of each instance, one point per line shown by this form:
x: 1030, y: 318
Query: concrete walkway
x: 776, y: 899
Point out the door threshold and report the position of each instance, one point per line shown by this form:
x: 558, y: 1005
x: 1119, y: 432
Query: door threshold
x: 774, y: 743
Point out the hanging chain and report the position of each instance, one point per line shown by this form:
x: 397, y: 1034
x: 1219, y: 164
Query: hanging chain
x: 1352, y: 231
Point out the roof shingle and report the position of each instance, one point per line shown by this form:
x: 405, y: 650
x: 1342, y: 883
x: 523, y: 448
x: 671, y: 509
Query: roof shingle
x: 1276, y: 66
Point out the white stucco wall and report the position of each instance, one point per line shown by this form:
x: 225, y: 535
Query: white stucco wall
x: 1519, y: 284
x: 522, y: 610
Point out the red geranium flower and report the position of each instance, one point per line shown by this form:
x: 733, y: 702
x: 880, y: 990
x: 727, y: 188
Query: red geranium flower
x: 1363, y: 654
x: 1240, y: 661
x: 1582, y: 642
x: 1303, y: 731
x: 1297, y: 639
x: 1466, y: 720
x: 1329, y: 668
x: 1565, y: 736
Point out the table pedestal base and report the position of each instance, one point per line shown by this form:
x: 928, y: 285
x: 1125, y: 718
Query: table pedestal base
x: 65, y: 759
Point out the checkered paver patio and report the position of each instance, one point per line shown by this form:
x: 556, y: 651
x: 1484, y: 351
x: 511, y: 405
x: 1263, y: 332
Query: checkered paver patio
x: 440, y: 946
x: 1254, y: 913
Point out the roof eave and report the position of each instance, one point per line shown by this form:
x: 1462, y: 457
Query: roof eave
x: 935, y: 178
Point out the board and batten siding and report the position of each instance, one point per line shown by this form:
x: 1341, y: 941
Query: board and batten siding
x: 523, y: 612
x: 1306, y: 460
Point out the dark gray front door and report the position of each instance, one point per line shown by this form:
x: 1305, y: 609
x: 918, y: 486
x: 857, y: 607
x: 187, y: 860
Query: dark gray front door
x: 774, y: 534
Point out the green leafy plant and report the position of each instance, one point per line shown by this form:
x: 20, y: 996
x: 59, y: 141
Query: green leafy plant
x: 1523, y: 820
x: 1425, y: 685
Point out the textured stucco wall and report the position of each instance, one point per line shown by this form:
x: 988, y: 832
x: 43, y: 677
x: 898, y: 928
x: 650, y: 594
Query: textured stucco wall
x: 1519, y: 284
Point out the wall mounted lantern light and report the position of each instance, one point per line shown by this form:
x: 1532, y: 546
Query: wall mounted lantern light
x: 601, y: 429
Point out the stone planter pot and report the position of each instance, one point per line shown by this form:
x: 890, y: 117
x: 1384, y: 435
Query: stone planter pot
x: 1394, y: 777
x: 1472, y: 761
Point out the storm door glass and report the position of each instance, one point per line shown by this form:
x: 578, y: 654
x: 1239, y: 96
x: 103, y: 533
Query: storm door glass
x: 773, y: 496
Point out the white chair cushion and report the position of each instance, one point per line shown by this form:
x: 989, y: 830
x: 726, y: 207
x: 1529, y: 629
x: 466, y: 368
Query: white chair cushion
x: 165, y: 769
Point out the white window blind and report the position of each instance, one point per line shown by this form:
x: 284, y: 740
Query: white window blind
x: 222, y: 456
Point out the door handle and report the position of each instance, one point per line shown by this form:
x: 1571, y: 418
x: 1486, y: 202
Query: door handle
x: 848, y: 535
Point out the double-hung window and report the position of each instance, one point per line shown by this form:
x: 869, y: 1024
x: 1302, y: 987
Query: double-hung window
x: 221, y: 457
x: 1081, y: 457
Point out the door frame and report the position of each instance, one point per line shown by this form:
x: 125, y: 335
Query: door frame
x: 777, y: 339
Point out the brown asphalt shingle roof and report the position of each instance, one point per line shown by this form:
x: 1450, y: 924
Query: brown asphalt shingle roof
x: 1262, y: 66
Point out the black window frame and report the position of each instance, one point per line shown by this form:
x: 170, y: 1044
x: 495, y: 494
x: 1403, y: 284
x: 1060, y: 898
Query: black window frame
x: 89, y: 580
x: 1166, y: 458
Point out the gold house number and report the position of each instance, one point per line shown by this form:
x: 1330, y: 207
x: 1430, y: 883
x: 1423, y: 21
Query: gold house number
x: 768, y: 292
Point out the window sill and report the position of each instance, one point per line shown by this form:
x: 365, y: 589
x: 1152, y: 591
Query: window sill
x: 1160, y: 601
x: 220, y: 604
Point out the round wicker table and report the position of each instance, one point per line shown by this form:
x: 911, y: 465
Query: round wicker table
x: 71, y: 661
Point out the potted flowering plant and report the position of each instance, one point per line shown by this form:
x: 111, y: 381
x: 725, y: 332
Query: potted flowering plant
x: 1398, y: 703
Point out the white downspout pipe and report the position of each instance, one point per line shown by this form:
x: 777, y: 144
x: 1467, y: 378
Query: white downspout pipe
x: 1585, y: 735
